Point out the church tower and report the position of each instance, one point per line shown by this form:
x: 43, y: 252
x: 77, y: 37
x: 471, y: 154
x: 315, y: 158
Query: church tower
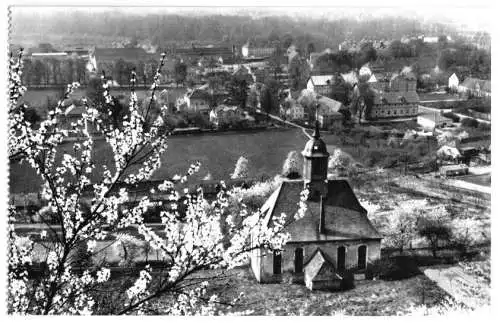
x: 316, y: 166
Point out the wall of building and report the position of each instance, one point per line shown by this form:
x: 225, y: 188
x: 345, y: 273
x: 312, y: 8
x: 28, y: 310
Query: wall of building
x: 330, y: 248
x: 255, y: 262
x: 393, y: 110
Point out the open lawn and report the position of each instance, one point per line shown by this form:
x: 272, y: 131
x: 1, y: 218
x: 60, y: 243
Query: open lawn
x: 266, y: 151
x: 367, y: 298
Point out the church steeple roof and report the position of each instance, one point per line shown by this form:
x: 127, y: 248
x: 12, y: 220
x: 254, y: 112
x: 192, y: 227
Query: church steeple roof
x: 315, y: 147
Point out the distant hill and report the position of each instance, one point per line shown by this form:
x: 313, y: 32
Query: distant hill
x: 167, y: 29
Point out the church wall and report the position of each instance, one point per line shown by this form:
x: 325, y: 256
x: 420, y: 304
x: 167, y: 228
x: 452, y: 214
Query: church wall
x: 330, y: 248
x: 255, y: 262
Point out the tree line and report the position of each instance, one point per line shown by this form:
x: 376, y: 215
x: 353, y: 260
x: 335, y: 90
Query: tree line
x: 167, y: 29
x: 54, y: 71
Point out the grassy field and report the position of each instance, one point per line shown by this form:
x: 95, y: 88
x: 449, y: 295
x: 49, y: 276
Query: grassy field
x: 367, y: 298
x: 218, y: 153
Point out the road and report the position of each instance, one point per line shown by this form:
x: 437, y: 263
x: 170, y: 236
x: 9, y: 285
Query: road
x: 304, y: 130
x: 422, y: 109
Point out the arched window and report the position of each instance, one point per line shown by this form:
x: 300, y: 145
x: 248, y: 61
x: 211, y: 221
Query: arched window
x: 299, y: 260
x: 341, y: 258
x: 277, y: 262
x: 362, y: 257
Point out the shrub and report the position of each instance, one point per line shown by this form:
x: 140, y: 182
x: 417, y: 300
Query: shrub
x: 455, y: 118
x: 291, y: 166
x: 374, y: 157
x: 468, y: 122
x: 241, y: 168
x: 394, y: 268
x: 484, y: 126
x: 347, y: 280
x: 433, y: 232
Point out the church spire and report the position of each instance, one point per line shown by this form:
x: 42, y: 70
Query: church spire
x: 316, y: 134
x: 315, y: 165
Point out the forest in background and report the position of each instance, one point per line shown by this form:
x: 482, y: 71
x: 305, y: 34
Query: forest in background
x: 166, y: 30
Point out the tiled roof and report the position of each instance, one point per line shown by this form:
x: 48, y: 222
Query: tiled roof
x: 127, y: 54
x: 322, y: 80
x: 345, y: 217
x: 350, y: 77
x: 205, y: 51
x: 198, y: 93
x: 329, y: 106
x: 470, y: 83
x: 396, y: 97
x: 318, y: 263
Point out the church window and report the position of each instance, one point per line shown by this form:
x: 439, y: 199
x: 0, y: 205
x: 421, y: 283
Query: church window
x: 362, y: 257
x: 299, y: 260
x: 277, y: 262
x: 341, y: 251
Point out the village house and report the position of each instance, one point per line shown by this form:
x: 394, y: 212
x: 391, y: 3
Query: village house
x: 380, y: 81
x: 475, y: 87
x: 332, y: 239
x: 72, y: 114
x: 393, y: 98
x: 453, y: 82
x: 394, y: 104
x: 403, y: 82
x: 321, y: 84
x: 328, y: 114
x: 194, y: 53
x: 244, y: 72
x: 292, y: 110
x: 431, y: 120
x: 224, y: 115
x: 194, y: 101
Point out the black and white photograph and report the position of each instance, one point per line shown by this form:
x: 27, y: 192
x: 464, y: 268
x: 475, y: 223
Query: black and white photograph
x: 273, y: 160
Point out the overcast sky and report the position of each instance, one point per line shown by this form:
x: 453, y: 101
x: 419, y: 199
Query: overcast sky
x: 474, y: 15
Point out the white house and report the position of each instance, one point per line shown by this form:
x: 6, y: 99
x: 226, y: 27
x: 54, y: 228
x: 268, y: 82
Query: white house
x: 195, y: 101
x: 453, y: 82
x: 321, y: 84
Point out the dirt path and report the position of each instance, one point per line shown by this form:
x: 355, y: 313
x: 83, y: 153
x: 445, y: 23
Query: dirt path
x: 304, y: 130
x: 457, y: 283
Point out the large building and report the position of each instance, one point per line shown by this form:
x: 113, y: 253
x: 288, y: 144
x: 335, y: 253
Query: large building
x: 394, y: 98
x: 195, y: 101
x: 249, y: 51
x: 105, y: 58
x: 192, y: 54
x: 396, y: 104
x: 334, y: 237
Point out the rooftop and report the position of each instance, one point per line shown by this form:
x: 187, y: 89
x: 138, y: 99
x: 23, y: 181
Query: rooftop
x: 470, y: 83
x: 396, y: 97
x: 322, y: 80
x: 127, y: 54
x: 345, y: 217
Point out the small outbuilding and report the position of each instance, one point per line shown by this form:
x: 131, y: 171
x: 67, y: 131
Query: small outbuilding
x: 320, y: 273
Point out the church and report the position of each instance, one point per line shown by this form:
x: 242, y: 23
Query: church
x: 333, y: 239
